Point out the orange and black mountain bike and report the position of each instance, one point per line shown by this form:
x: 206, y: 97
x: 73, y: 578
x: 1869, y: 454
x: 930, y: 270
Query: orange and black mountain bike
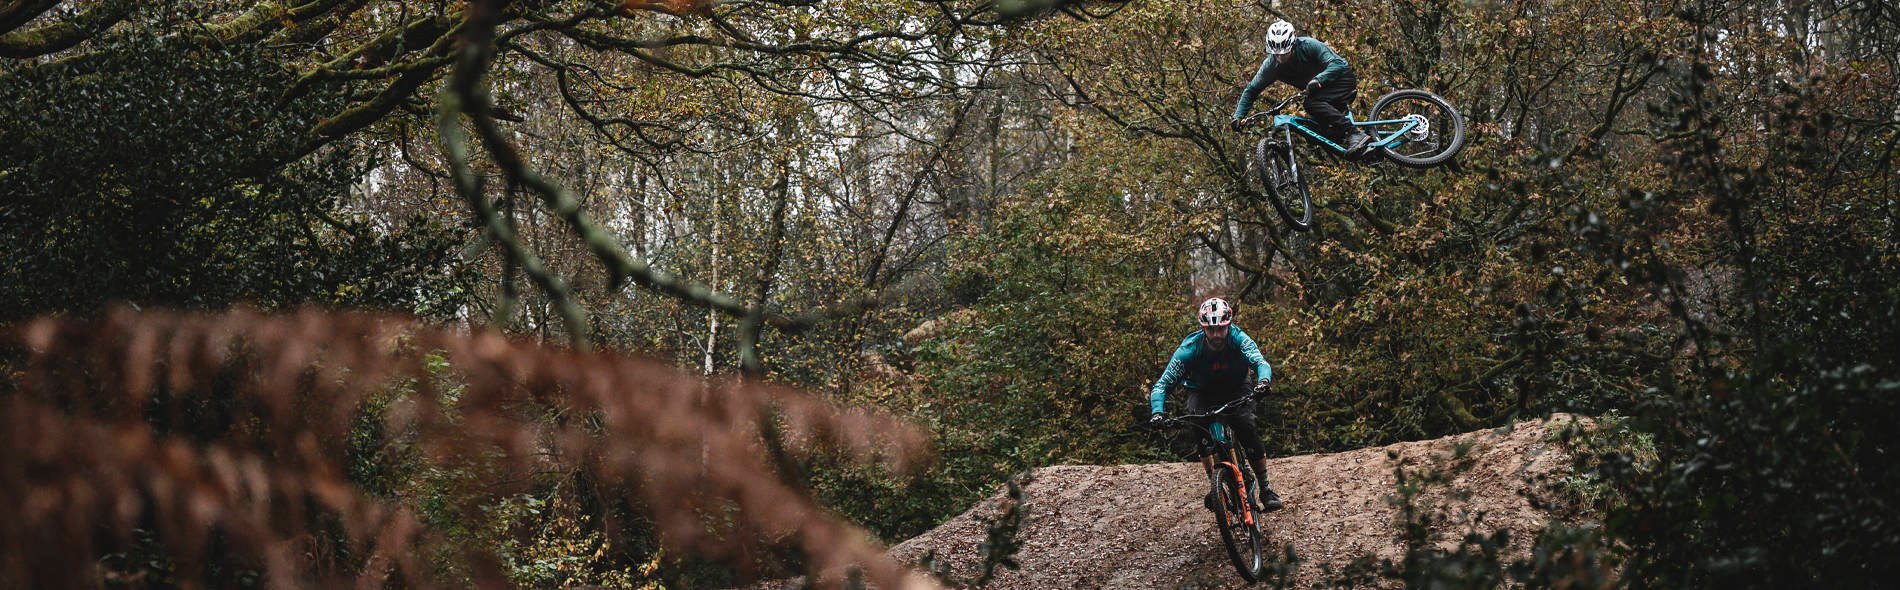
x: 1232, y: 478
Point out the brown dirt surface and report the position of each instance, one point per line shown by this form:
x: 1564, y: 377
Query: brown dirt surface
x: 1143, y: 526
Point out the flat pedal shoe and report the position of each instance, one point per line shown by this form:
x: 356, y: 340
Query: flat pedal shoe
x: 1271, y: 502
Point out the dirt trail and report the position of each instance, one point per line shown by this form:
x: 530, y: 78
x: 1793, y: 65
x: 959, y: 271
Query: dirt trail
x: 1142, y: 526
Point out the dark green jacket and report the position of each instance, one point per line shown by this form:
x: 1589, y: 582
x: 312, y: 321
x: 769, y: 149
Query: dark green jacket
x: 1311, y: 60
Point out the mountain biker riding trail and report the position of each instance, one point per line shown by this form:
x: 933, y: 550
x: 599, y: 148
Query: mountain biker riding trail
x: 1304, y: 62
x: 1212, y: 363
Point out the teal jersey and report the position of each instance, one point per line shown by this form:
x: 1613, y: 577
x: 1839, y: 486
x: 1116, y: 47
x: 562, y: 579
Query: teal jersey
x: 1196, y: 366
x: 1311, y: 60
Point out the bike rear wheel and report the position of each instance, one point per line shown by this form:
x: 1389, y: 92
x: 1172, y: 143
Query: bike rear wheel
x: 1285, y: 182
x: 1438, y: 138
x: 1231, y: 515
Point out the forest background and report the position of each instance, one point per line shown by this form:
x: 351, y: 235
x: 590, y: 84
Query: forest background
x: 988, y: 219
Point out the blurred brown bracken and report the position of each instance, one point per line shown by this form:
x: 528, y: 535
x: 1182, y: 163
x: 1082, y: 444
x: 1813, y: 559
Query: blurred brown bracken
x: 97, y: 442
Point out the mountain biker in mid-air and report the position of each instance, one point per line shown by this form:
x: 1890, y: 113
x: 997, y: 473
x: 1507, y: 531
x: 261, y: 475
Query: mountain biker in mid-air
x: 1304, y: 62
x: 1212, y: 363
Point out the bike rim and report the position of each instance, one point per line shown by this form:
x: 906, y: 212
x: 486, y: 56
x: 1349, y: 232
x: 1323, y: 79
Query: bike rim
x: 1258, y: 545
x: 1439, y: 127
x: 1249, y: 534
x: 1234, y: 532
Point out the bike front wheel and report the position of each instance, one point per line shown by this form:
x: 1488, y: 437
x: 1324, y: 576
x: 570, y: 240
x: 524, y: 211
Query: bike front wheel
x: 1285, y: 182
x: 1437, y: 136
x: 1239, y: 526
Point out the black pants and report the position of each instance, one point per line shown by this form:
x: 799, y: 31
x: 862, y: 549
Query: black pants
x: 1240, y: 422
x: 1331, y: 102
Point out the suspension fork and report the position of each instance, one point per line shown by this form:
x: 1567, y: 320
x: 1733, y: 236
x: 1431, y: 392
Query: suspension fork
x: 1229, y: 456
x: 1240, y: 481
x: 1292, y: 161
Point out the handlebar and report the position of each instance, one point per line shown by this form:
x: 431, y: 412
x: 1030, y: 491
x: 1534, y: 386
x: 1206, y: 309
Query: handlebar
x: 1255, y: 118
x: 1189, y: 419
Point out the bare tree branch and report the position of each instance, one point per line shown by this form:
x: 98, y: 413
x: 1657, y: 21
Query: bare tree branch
x: 64, y: 35
x: 466, y: 97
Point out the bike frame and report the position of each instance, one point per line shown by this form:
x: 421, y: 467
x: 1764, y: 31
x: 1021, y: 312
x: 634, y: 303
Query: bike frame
x: 1234, y: 515
x: 1220, y: 449
x: 1225, y: 453
x: 1381, y: 137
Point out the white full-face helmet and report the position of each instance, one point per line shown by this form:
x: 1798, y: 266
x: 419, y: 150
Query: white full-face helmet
x: 1279, y: 37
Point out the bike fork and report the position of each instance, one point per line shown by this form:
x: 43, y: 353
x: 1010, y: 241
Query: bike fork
x: 1246, y: 503
x: 1292, y: 163
x: 1240, y: 480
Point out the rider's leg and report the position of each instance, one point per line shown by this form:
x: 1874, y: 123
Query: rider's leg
x: 1265, y: 499
x: 1247, y: 433
x: 1195, y: 405
x: 1259, y: 469
x: 1207, y: 462
x: 1328, y: 106
x: 1268, y: 499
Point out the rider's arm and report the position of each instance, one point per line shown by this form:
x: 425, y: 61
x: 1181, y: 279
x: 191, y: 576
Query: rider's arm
x: 1260, y: 81
x: 1177, y: 365
x: 1320, y: 53
x: 1261, y: 370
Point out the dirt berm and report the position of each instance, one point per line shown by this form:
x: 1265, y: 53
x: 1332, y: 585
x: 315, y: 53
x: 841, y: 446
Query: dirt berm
x: 1143, y: 526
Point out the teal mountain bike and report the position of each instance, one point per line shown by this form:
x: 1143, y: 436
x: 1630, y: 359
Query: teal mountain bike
x: 1414, y: 128
x: 1236, y: 514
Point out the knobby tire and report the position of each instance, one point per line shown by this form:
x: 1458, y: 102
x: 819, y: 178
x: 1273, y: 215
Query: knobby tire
x: 1455, y: 135
x: 1285, y: 185
x: 1242, y: 539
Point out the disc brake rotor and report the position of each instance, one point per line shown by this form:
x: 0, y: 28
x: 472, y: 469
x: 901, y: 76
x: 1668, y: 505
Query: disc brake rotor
x: 1421, y: 129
